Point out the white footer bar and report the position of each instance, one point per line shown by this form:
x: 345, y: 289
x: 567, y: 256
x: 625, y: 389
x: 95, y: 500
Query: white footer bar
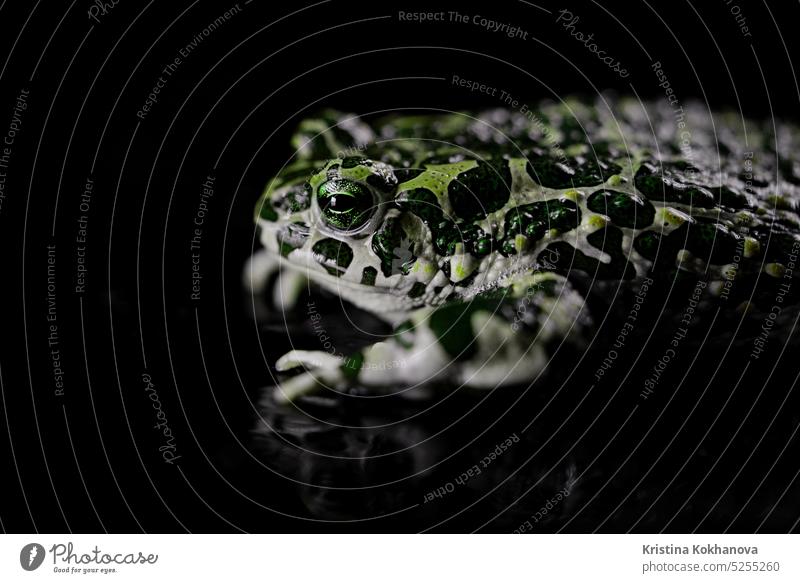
x: 400, y: 558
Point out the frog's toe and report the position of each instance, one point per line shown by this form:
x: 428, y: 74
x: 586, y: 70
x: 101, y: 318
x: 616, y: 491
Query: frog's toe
x: 309, y: 359
x: 306, y: 383
x: 322, y: 369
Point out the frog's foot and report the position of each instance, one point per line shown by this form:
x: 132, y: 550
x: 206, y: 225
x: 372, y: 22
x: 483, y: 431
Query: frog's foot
x: 392, y: 365
x: 322, y: 370
x: 382, y: 367
x: 309, y: 359
x: 482, y: 343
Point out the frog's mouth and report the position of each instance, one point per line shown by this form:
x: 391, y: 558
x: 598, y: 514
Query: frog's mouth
x: 349, y: 283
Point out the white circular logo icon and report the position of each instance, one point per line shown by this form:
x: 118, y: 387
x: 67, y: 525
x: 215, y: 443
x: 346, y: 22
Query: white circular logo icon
x: 31, y: 556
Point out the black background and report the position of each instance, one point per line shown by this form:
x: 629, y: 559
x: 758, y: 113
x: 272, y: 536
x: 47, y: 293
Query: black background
x: 89, y: 460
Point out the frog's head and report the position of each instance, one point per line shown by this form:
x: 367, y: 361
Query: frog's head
x: 343, y: 224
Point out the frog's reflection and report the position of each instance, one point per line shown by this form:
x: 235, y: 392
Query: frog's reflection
x: 461, y: 457
x: 414, y: 465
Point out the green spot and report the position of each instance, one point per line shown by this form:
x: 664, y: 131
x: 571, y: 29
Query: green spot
x: 776, y: 270
x: 598, y: 221
x: 483, y: 246
x: 624, y: 210
x: 422, y: 202
x: 352, y: 161
x: 711, y: 241
x: 481, y: 190
x: 368, y: 276
x: 266, y: 211
x: 452, y: 326
x: 335, y: 256
x: 403, y: 334
x: 352, y: 366
x: 534, y: 220
x: 667, y: 185
x: 647, y: 244
x: 705, y: 239
x: 286, y: 248
x: 731, y: 197
x: 571, y: 172
x: 751, y: 247
x: 417, y: 290
x: 387, y: 244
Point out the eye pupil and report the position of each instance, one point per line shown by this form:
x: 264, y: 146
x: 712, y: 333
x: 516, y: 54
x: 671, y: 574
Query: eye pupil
x: 345, y: 204
x: 338, y: 202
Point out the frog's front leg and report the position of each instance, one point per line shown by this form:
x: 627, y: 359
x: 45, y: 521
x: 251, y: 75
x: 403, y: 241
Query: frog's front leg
x: 484, y: 342
x: 409, y: 357
x: 288, y: 284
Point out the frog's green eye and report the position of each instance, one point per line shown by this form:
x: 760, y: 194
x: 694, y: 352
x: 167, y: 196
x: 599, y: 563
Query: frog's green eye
x: 345, y: 205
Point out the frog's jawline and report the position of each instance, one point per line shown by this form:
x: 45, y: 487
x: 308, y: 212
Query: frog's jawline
x: 390, y: 303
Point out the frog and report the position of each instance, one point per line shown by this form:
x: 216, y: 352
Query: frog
x: 478, y: 236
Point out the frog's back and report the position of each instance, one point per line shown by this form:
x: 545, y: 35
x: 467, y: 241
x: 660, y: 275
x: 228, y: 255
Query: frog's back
x: 612, y: 190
